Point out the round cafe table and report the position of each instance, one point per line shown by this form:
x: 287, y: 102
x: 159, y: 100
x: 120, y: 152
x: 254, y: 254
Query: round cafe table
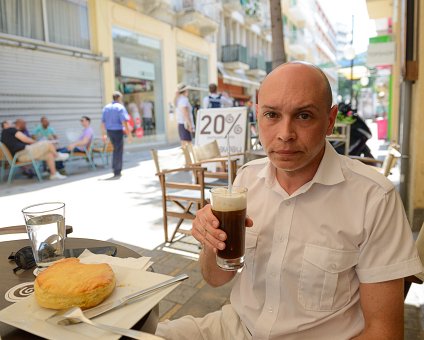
x: 9, y: 279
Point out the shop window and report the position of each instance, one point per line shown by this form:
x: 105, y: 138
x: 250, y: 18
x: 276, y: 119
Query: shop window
x: 22, y: 18
x: 138, y: 75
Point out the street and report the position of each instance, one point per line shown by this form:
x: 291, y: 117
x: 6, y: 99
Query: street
x: 128, y: 210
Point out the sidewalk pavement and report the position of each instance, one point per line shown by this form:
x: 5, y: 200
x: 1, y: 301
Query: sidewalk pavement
x: 128, y: 211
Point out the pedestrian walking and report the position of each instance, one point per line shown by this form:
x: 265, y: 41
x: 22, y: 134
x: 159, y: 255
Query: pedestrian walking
x: 184, y: 116
x: 114, y: 118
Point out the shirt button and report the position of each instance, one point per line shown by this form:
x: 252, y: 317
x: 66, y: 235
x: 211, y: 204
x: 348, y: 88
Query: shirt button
x: 287, y: 203
x: 270, y: 309
x: 333, y: 266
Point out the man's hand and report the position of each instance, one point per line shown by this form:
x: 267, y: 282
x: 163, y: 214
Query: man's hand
x: 104, y: 138
x: 206, y: 229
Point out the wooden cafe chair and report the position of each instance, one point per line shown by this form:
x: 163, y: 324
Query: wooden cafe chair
x: 209, y: 154
x: 384, y: 167
x: 183, y: 189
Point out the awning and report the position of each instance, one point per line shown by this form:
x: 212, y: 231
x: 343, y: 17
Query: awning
x: 237, y: 78
x: 358, y: 72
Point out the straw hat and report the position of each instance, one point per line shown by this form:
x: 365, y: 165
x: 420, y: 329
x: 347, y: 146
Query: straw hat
x: 182, y: 87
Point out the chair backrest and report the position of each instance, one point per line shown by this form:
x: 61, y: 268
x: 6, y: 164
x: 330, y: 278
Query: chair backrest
x: 168, y: 159
x: 5, y: 154
x: 391, y: 158
x: 206, y: 151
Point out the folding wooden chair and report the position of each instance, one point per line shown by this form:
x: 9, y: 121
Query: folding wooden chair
x: 13, y: 163
x: 209, y: 154
x: 183, y: 188
x: 389, y: 162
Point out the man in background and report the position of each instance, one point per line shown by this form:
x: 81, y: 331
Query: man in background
x: 44, y: 131
x: 81, y: 144
x: 215, y: 99
x: 114, y: 118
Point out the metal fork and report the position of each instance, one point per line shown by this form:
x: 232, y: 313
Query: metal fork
x: 68, y: 317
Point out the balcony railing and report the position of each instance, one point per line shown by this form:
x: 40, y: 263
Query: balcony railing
x: 234, y: 53
x: 207, y: 8
x: 198, y: 17
x: 257, y: 63
x: 268, y: 67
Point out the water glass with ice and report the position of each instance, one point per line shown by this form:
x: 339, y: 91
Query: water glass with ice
x: 45, y: 224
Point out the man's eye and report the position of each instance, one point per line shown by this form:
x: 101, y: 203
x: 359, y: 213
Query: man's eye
x: 270, y: 114
x: 304, y: 116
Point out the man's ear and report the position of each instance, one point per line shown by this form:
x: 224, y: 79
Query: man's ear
x: 332, y: 116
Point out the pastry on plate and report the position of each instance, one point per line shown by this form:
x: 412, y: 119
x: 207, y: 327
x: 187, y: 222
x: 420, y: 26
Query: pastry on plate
x: 69, y: 283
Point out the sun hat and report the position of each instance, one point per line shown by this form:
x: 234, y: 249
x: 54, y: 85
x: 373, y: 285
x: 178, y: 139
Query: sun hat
x: 181, y: 87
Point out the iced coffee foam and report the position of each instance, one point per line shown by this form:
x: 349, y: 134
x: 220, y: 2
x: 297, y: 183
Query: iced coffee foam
x: 224, y: 201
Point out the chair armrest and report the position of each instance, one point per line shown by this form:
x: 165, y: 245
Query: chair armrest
x: 188, y: 168
x: 214, y: 160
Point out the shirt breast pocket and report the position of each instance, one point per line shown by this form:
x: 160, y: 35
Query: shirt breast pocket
x: 325, y: 278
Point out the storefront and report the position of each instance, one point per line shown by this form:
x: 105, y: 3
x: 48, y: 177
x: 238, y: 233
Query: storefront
x: 138, y: 75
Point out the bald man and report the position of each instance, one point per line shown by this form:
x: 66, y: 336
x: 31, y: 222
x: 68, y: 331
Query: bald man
x: 327, y: 243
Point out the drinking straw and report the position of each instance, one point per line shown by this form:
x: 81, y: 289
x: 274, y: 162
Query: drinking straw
x: 230, y: 185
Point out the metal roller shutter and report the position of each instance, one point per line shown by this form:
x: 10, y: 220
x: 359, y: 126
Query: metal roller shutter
x: 63, y: 88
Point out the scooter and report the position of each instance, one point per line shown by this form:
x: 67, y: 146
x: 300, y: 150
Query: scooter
x: 359, y: 134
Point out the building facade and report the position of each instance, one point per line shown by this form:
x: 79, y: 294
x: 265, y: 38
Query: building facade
x: 64, y: 58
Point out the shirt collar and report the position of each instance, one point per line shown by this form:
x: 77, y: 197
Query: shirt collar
x: 329, y: 171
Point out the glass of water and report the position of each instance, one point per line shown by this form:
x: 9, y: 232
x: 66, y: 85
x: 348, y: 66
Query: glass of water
x: 45, y: 224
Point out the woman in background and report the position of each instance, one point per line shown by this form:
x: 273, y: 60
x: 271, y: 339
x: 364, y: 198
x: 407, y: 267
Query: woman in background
x: 184, y: 117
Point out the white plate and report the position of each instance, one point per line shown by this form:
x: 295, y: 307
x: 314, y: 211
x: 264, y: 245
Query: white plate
x: 29, y: 316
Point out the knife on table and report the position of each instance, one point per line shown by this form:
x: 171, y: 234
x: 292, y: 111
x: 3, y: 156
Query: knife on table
x: 95, y: 311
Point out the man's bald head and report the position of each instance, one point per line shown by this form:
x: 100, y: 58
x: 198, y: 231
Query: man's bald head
x: 326, y: 88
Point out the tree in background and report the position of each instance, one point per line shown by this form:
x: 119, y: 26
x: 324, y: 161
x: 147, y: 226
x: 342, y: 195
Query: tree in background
x: 278, y: 51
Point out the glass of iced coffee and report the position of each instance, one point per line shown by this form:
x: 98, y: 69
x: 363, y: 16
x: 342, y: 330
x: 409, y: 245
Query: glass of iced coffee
x: 229, y: 207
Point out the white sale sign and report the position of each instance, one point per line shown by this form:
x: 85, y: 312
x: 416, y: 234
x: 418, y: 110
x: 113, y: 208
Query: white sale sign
x: 216, y: 123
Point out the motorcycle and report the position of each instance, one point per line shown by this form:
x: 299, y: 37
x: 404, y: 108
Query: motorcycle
x: 359, y: 134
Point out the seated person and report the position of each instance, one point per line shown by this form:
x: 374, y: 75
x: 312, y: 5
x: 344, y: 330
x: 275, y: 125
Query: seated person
x: 315, y: 267
x: 44, y: 131
x: 16, y: 141
x: 20, y: 125
x: 81, y: 144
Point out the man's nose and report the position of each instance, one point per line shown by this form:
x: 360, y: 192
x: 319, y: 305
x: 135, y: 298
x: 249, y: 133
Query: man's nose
x: 286, y: 130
